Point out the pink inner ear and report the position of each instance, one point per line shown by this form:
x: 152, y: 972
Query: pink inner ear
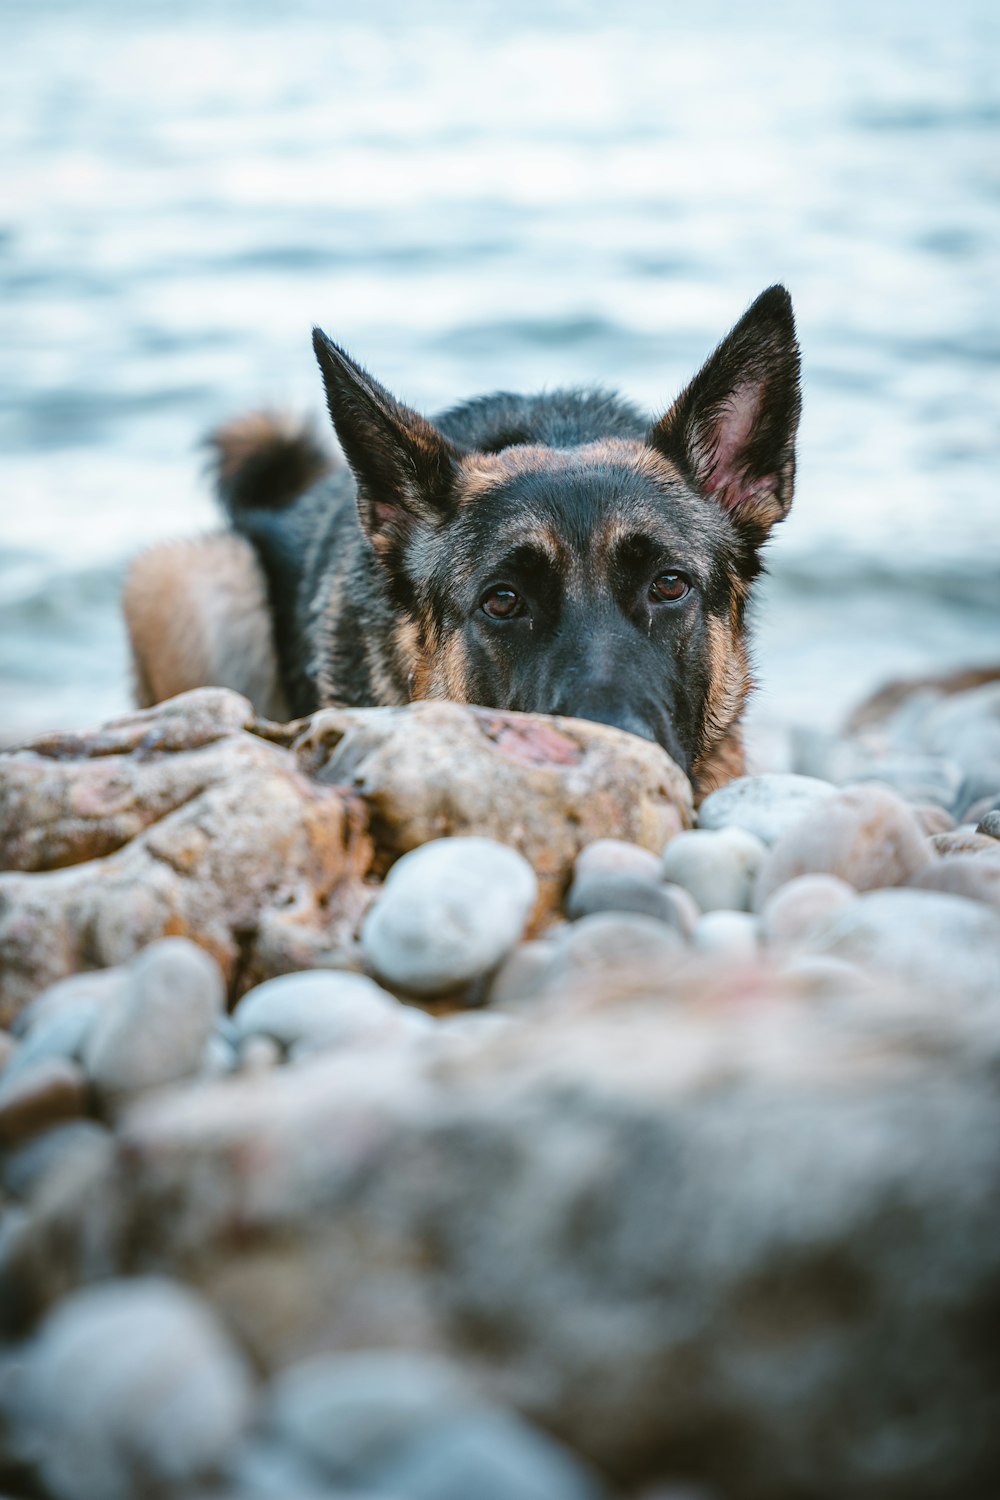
x: 724, y: 447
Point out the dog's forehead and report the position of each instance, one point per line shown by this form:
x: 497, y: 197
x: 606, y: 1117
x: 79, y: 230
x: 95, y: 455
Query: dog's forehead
x: 586, y: 498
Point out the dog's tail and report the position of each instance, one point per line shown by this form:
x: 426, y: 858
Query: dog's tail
x: 263, y: 461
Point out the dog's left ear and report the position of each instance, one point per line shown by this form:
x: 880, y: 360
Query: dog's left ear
x: 732, y: 431
x: 404, y: 467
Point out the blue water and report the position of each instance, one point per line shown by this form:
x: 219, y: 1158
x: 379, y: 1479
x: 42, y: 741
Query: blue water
x: 495, y: 195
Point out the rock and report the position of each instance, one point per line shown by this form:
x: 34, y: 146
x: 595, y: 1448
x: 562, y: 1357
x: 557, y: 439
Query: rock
x: 687, y: 912
x: 620, y: 891
x: 733, y: 933
x: 796, y: 910
x: 990, y: 824
x: 493, y: 1456
x: 717, y: 868
x: 448, y: 913
x: 218, y: 1056
x: 132, y: 1388
x: 932, y: 940
x: 583, y: 957
x: 975, y: 876
x: 158, y: 1031
x: 322, y: 1008
x: 26, y: 1167
x: 548, y: 787
x: 981, y: 784
x: 196, y: 819
x: 610, y: 875
x: 181, y: 820
x: 407, y: 1424
x: 258, y: 1054
x: 766, y: 806
x: 616, y: 857
x: 864, y: 835
x: 712, y: 1175
x: 91, y: 991
x: 51, y: 1090
x: 963, y: 841
x: 351, y: 1414
x: 932, y: 819
x: 523, y: 972
x: 915, y: 777
x: 61, y: 1033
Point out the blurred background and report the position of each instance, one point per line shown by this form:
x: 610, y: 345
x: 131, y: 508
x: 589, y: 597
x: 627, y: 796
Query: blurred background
x: 478, y: 196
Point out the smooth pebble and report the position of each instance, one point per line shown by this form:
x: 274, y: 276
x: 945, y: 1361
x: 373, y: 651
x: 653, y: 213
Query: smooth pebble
x: 157, y: 1030
x: 731, y: 934
x: 133, y: 1388
x: 448, y: 913
x: 766, y: 806
x: 717, y: 867
x: 802, y: 907
x: 319, y: 1007
x: 865, y: 835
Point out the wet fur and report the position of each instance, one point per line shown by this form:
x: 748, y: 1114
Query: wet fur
x: 374, y: 570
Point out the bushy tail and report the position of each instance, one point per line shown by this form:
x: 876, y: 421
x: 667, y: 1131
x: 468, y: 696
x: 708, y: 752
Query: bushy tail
x: 265, y: 462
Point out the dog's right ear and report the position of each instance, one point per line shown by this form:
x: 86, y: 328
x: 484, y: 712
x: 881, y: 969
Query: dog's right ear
x: 404, y: 467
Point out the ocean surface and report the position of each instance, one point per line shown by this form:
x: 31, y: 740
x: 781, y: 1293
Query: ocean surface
x: 481, y: 196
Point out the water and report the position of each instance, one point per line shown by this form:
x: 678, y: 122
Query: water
x: 472, y: 197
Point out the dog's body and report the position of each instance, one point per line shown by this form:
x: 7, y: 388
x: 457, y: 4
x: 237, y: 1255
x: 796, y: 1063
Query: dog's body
x: 557, y: 554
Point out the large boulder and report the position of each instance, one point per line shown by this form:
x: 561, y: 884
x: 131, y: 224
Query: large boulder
x: 264, y: 843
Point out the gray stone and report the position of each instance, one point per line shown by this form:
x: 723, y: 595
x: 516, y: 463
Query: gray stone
x: 25, y: 1168
x: 801, y: 907
x: 717, y: 867
x: 982, y: 783
x: 766, y: 806
x: 321, y: 1008
x: 52, y: 1090
x: 157, y: 1031
x: 95, y: 990
x: 259, y: 1054
x: 917, y: 778
x: 412, y: 1425
x: 60, y: 1033
x: 616, y: 857
x: 132, y: 1388
x: 865, y: 835
x: 621, y: 891
x: 932, y: 940
x: 219, y: 1056
x: 491, y: 1456
x: 449, y: 912
x: 990, y: 824
x: 351, y: 1414
x: 700, y: 1228
x: 729, y: 933
x: 975, y: 876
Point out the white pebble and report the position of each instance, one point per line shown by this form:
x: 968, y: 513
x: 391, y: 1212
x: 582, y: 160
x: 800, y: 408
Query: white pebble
x: 449, y: 912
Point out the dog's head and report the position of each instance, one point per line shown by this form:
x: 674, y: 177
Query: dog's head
x: 608, y: 581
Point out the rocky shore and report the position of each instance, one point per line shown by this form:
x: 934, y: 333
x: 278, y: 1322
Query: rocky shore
x: 430, y: 1104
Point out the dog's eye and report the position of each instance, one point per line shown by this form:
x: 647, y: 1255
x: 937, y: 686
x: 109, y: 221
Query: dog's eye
x: 668, y: 588
x: 501, y: 604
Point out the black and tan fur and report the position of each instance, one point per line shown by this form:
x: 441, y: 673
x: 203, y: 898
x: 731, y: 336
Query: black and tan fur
x: 382, y: 577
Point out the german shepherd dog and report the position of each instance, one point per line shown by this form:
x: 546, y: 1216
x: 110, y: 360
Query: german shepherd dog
x: 558, y: 554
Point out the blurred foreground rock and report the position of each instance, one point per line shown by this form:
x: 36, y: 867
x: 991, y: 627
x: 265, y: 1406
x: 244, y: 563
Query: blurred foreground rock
x: 702, y: 1200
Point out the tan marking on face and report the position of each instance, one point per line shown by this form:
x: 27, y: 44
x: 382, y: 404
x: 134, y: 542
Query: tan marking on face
x: 197, y: 615
x: 448, y: 671
x: 729, y: 680
x: 481, y: 472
